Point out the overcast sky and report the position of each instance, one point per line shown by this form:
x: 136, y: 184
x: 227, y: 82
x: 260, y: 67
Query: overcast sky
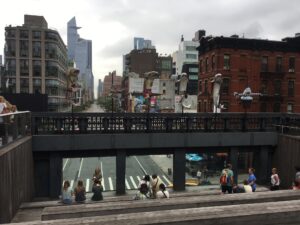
x: 112, y: 24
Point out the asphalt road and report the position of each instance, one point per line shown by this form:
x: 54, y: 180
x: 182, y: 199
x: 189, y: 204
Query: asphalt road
x: 75, y: 169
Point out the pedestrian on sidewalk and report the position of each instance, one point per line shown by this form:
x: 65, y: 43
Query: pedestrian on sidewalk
x: 79, y: 192
x: 97, y: 191
x: 252, y: 179
x: 275, y: 181
x: 226, y: 179
x: 67, y: 193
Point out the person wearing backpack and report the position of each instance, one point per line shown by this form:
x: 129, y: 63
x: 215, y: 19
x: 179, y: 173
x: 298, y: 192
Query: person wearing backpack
x: 226, y: 179
x: 143, y: 189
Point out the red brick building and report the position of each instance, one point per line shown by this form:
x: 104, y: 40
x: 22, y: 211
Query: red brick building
x: 269, y: 67
x: 107, y: 83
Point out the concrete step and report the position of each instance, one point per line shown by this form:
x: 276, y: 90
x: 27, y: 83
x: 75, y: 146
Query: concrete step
x: 111, y: 208
x: 268, y: 213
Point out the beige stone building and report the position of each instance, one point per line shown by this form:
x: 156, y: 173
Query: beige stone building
x: 36, y: 61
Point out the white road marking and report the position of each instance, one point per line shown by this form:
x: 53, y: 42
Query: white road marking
x: 145, y: 172
x: 139, y: 179
x: 80, y: 167
x: 166, y: 179
x: 133, y: 183
x: 102, y: 176
x: 161, y: 180
x: 71, y: 184
x: 127, y: 184
x: 110, y: 183
x: 65, y: 164
x: 87, y: 185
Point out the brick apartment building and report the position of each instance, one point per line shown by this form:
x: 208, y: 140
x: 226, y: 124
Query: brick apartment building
x: 269, y: 67
x: 107, y: 83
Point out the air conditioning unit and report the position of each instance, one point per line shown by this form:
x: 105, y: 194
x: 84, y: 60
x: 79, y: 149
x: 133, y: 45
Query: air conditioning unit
x: 291, y: 70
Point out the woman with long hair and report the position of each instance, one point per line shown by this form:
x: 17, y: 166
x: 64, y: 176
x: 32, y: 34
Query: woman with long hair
x: 66, y: 193
x: 79, y: 192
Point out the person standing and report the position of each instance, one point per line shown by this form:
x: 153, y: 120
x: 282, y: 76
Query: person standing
x: 226, y: 179
x: 275, y: 181
x: 252, y: 179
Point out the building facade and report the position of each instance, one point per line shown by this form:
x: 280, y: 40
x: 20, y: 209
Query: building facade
x: 112, y: 83
x: 80, y: 51
x: 271, y: 68
x: 141, y: 43
x: 36, y: 61
x: 100, y: 88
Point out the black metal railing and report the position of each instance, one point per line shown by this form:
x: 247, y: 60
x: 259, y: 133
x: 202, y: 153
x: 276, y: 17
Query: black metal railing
x: 14, y: 126
x: 91, y: 123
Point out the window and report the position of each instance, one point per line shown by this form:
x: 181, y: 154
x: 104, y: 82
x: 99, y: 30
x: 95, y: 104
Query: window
x: 24, y: 68
x: 264, y: 64
x: 36, y: 34
x: 213, y: 62
x: 226, y: 62
x: 191, y: 56
x: 166, y: 64
x: 291, y: 64
x: 36, y: 85
x: 36, y: 49
x: 10, y: 66
x: 206, y: 64
x: 225, y: 86
x: 23, y: 33
x: 190, y: 48
x: 291, y: 90
x: 24, y: 85
x: 164, y: 84
x: 11, y: 33
x: 277, y: 87
x: 193, y: 77
x: 36, y: 68
x: 205, y: 86
x: 199, y: 106
x: 164, y: 92
x: 193, y: 70
x: 276, y: 107
x: 279, y: 64
x: 200, y: 66
x: 290, y: 107
x: 205, y: 106
x: 200, y: 86
x: 23, y: 48
x: 10, y: 48
x: 264, y: 87
x: 243, y: 63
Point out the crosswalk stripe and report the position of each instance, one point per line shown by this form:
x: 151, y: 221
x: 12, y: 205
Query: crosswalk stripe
x: 71, y: 184
x: 166, y: 179
x: 127, y: 184
x: 133, y: 183
x: 87, y: 185
x: 161, y: 180
x: 110, y: 183
x: 139, y: 179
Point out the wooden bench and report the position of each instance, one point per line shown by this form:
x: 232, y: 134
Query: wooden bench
x: 111, y: 208
x: 269, y: 213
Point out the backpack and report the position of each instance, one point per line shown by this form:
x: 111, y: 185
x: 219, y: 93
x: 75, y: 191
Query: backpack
x: 223, y: 179
x: 144, y: 189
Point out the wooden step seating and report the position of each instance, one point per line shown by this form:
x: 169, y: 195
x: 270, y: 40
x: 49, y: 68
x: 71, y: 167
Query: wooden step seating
x: 155, y: 205
x: 267, y: 213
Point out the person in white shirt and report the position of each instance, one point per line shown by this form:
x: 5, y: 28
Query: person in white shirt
x: 162, y: 193
x: 247, y: 187
x: 275, y: 181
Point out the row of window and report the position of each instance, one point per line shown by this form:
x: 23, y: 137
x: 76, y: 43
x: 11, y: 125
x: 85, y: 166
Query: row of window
x: 264, y: 63
x: 263, y: 89
x: 24, y: 34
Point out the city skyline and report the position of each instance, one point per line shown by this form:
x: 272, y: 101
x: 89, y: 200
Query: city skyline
x: 113, y: 25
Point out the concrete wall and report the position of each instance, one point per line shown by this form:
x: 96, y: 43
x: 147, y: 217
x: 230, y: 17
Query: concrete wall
x: 16, y: 177
x: 286, y: 157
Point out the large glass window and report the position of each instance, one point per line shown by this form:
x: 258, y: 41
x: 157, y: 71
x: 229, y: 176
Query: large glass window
x: 36, y: 49
x: 10, y: 48
x: 24, y: 68
x: 23, y: 48
x: 36, y: 68
x: 10, y: 65
x: 190, y: 48
x: 279, y: 64
x: 51, y: 68
x: 37, y: 85
x: 24, y: 85
x: 193, y: 69
x: 36, y: 34
x: 51, y: 36
x: 191, y: 56
x: 264, y: 64
x: 291, y: 89
x: 292, y: 64
x: 24, y: 34
x: 51, y: 51
x: 10, y: 33
x: 226, y: 62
